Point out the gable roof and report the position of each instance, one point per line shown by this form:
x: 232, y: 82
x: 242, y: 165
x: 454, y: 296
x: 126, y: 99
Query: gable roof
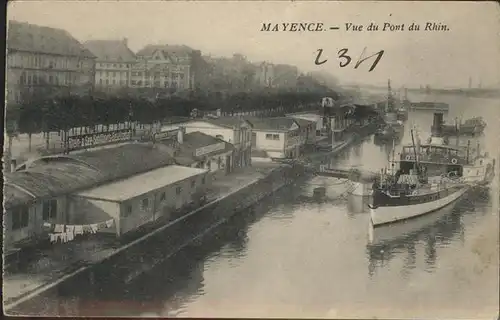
x: 110, y: 50
x: 304, y: 122
x: 176, y: 53
x: 282, y: 124
x: 22, y: 36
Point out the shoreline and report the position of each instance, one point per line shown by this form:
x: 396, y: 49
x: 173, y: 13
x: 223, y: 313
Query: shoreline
x: 13, y: 301
x: 224, y: 205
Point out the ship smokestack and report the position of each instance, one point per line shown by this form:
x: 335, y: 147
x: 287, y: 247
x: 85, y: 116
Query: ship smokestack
x: 437, y: 125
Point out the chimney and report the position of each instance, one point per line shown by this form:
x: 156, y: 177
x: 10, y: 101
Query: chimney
x: 180, y: 135
x: 125, y: 41
x: 13, y: 164
x: 437, y: 125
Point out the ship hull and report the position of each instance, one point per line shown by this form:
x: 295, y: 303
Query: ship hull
x: 389, y: 214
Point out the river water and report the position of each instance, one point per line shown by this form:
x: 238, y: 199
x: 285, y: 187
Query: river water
x: 292, y: 256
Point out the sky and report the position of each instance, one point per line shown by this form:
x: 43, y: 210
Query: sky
x: 470, y: 49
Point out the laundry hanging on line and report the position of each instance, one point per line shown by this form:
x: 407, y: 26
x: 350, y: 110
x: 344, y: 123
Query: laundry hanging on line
x: 66, y: 233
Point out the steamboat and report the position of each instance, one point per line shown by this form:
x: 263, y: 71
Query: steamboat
x: 430, y: 177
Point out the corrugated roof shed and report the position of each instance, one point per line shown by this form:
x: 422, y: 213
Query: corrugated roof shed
x: 24, y: 36
x: 51, y: 176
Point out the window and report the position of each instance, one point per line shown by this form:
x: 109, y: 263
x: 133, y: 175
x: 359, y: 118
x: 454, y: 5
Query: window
x: 272, y: 136
x: 193, y: 184
x: 20, y: 217
x: 178, y: 190
x: 203, y: 179
x: 145, y: 204
x: 128, y: 211
x: 163, y: 196
x: 49, y: 209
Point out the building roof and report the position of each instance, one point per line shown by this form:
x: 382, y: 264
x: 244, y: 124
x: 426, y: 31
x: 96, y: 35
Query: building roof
x: 174, y: 52
x: 57, y: 175
x: 304, y: 122
x: 195, y: 140
x: 272, y: 124
x: 227, y: 122
x: 140, y: 184
x: 24, y: 36
x: 110, y: 50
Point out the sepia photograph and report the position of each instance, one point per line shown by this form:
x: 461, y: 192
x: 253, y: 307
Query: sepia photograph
x: 252, y: 159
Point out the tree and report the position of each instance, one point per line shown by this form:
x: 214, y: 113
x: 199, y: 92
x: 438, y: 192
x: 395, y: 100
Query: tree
x: 11, y: 127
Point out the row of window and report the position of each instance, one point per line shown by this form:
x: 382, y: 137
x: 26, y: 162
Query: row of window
x: 37, y: 78
x: 113, y: 65
x: 114, y: 81
x: 110, y: 73
x: 43, y: 61
x: 270, y: 136
x: 145, y: 203
x: 156, y: 84
x: 166, y: 75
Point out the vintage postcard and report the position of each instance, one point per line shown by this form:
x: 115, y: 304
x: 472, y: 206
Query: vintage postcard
x: 293, y: 159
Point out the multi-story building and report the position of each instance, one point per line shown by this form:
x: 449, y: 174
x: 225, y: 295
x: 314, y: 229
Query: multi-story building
x: 45, y: 60
x: 162, y: 66
x: 113, y: 63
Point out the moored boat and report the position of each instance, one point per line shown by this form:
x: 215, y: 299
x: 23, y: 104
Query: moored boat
x: 429, y: 178
x: 470, y: 127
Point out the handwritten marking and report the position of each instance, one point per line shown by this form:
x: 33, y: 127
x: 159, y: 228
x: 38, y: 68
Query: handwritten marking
x: 346, y: 59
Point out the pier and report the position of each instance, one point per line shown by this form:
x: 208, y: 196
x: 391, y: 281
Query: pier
x: 353, y: 174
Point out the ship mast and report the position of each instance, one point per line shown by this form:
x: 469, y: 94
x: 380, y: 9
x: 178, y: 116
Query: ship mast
x: 415, y: 164
x: 390, y: 98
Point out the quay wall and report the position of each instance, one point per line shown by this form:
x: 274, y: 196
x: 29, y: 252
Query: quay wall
x: 159, y: 246
x: 141, y: 255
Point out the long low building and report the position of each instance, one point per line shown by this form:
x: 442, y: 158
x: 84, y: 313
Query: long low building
x: 42, y: 193
x: 140, y: 199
